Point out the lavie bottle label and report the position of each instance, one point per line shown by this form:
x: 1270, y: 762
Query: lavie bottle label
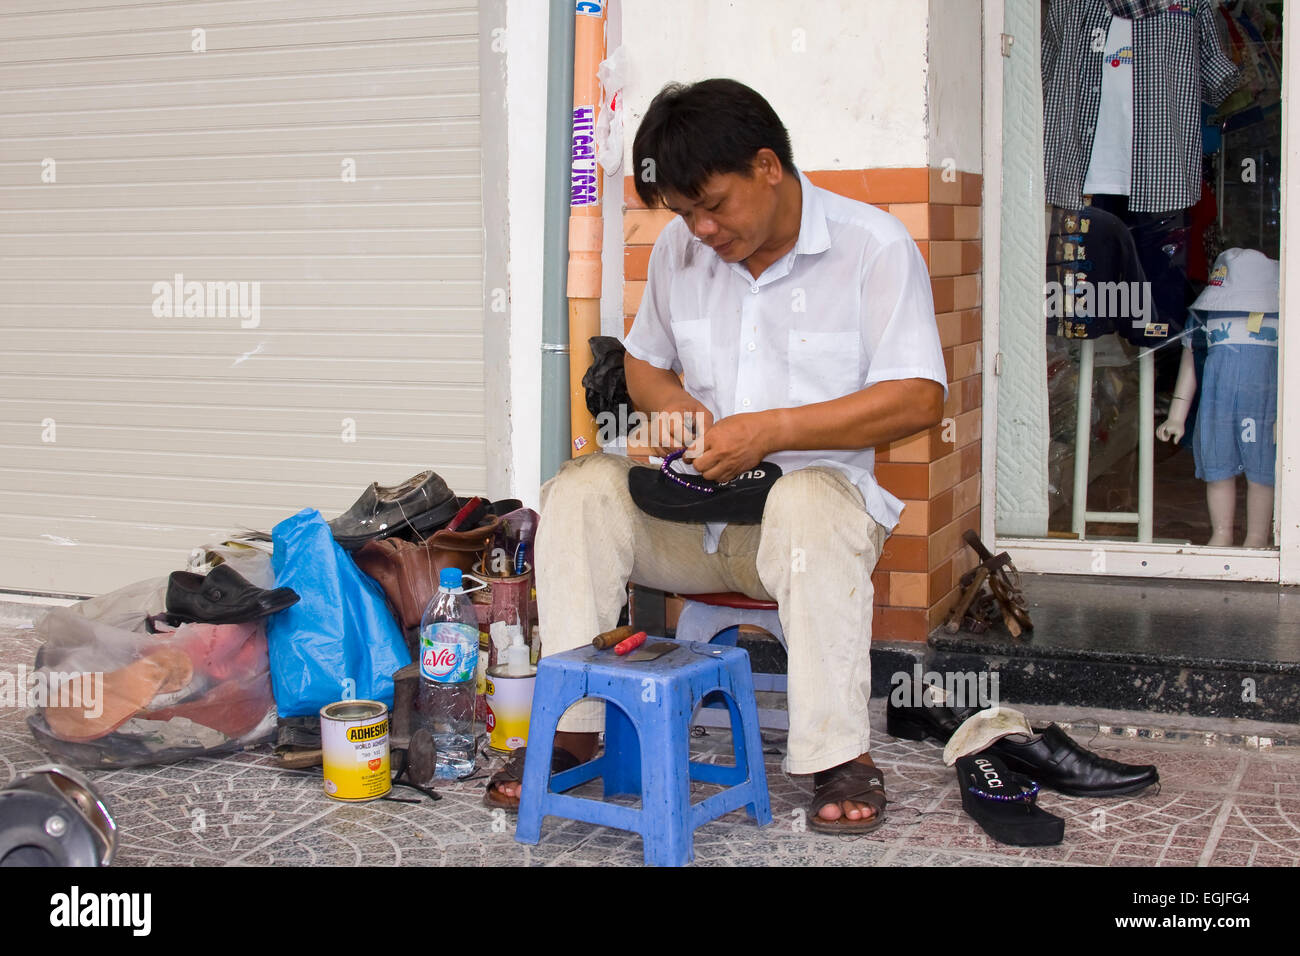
x: 448, y: 652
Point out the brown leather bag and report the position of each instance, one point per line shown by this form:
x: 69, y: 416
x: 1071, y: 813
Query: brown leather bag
x: 408, y: 572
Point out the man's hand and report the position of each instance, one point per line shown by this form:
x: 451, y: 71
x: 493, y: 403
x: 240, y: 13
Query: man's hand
x: 733, y: 445
x: 675, y: 427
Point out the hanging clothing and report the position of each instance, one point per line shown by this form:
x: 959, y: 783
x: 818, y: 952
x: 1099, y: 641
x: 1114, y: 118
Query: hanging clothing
x: 1132, y: 9
x: 1235, y: 422
x: 1094, y: 276
x: 1224, y: 328
x: 1179, y: 59
x: 1161, y: 240
x: 1111, y: 167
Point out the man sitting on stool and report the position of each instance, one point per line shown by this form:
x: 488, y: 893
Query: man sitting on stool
x: 804, y: 326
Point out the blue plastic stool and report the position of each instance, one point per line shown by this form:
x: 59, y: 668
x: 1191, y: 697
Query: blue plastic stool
x: 647, y: 745
x: 715, y: 618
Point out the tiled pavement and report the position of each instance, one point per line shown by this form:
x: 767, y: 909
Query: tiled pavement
x: 1216, y: 805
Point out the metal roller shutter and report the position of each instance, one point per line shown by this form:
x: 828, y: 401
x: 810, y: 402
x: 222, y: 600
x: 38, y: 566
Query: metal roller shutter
x: 129, y: 157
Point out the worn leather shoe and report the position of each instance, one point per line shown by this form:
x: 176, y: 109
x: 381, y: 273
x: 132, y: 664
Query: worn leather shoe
x: 912, y: 713
x: 224, y: 596
x: 1054, y: 760
x: 419, y: 504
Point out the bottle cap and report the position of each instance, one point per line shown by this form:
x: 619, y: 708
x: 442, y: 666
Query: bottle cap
x: 451, y: 578
x: 517, y: 657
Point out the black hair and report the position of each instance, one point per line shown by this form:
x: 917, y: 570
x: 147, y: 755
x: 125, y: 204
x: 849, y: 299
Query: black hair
x: 693, y: 131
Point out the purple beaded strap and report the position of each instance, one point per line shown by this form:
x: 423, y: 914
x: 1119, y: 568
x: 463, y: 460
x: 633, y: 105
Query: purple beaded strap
x: 1029, y: 794
x: 673, y: 476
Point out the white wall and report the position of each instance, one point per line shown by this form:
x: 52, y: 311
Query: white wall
x: 954, y: 84
x: 611, y: 291
x: 526, y: 21
x: 847, y: 77
x: 859, y: 83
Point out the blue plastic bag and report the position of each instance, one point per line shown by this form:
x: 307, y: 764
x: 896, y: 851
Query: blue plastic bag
x: 340, y: 641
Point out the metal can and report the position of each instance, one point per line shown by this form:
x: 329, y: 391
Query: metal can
x: 354, y: 750
x: 509, y: 704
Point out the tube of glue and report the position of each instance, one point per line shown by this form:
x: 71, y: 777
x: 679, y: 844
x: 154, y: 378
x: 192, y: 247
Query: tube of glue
x: 631, y: 644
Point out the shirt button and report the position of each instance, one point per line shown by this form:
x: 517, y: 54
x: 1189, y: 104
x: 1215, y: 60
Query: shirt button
x: 752, y: 346
x: 745, y: 402
x: 753, y: 288
x: 1096, y: 89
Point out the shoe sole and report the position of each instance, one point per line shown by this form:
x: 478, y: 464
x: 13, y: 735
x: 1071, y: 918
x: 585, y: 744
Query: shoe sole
x: 422, y: 759
x: 1004, y: 824
x: 1119, y: 790
x: 423, y: 523
x: 1125, y: 790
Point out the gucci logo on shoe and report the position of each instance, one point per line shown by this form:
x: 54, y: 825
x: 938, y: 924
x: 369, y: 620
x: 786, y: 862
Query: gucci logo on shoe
x: 991, y: 778
x: 756, y: 473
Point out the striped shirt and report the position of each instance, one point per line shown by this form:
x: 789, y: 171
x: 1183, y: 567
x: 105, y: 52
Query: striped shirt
x: 1179, y: 59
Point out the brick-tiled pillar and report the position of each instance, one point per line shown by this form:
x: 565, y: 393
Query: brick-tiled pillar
x: 936, y: 473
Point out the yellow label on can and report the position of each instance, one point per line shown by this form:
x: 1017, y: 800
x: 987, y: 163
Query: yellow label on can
x: 354, y: 750
x: 509, y: 703
x: 361, y: 735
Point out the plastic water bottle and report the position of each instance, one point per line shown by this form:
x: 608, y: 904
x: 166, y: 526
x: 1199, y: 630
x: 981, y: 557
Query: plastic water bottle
x: 448, y: 660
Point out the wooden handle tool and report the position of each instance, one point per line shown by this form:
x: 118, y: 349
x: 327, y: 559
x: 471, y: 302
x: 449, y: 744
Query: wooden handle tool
x: 602, y: 641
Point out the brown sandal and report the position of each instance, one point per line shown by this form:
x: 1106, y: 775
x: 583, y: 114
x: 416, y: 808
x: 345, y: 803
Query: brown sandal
x: 513, y: 772
x: 849, y: 781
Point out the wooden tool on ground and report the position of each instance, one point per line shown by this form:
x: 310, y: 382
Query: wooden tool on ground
x: 1003, y: 580
x: 299, y: 759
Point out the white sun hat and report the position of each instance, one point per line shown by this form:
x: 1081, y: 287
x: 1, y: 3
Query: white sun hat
x: 1242, y: 280
x: 979, y: 732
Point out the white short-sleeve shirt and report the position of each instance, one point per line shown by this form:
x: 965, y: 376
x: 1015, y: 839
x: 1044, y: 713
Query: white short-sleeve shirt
x: 847, y: 307
x: 1110, y: 170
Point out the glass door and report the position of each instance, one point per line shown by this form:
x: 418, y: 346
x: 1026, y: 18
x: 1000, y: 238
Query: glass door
x: 1133, y: 325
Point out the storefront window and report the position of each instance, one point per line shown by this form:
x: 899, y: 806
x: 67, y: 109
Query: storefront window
x: 1161, y: 175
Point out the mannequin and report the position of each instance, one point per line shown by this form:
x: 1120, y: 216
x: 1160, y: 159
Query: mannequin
x: 1235, y: 427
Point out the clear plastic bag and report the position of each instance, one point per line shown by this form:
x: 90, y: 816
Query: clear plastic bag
x: 114, y: 685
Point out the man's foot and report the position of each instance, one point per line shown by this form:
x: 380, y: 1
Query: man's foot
x: 582, y: 746
x: 854, y: 810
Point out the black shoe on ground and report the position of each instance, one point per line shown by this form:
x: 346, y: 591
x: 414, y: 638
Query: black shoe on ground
x: 1055, y: 761
x: 920, y: 717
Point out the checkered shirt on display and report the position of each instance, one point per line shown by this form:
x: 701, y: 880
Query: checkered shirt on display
x: 1179, y: 59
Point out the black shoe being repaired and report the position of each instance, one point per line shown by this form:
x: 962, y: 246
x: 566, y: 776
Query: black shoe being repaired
x: 1055, y: 761
x: 224, y: 596
x: 420, y: 504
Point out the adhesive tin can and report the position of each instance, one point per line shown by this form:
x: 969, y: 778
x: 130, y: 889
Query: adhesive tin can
x: 354, y: 750
x: 509, y: 703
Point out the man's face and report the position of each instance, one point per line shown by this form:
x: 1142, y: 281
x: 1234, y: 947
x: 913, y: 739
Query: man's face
x: 734, y: 212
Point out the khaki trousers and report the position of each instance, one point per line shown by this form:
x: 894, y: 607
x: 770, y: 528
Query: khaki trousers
x: 813, y: 554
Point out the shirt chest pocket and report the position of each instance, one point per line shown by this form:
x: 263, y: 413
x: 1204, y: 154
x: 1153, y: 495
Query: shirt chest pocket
x: 694, y: 342
x: 824, y: 365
